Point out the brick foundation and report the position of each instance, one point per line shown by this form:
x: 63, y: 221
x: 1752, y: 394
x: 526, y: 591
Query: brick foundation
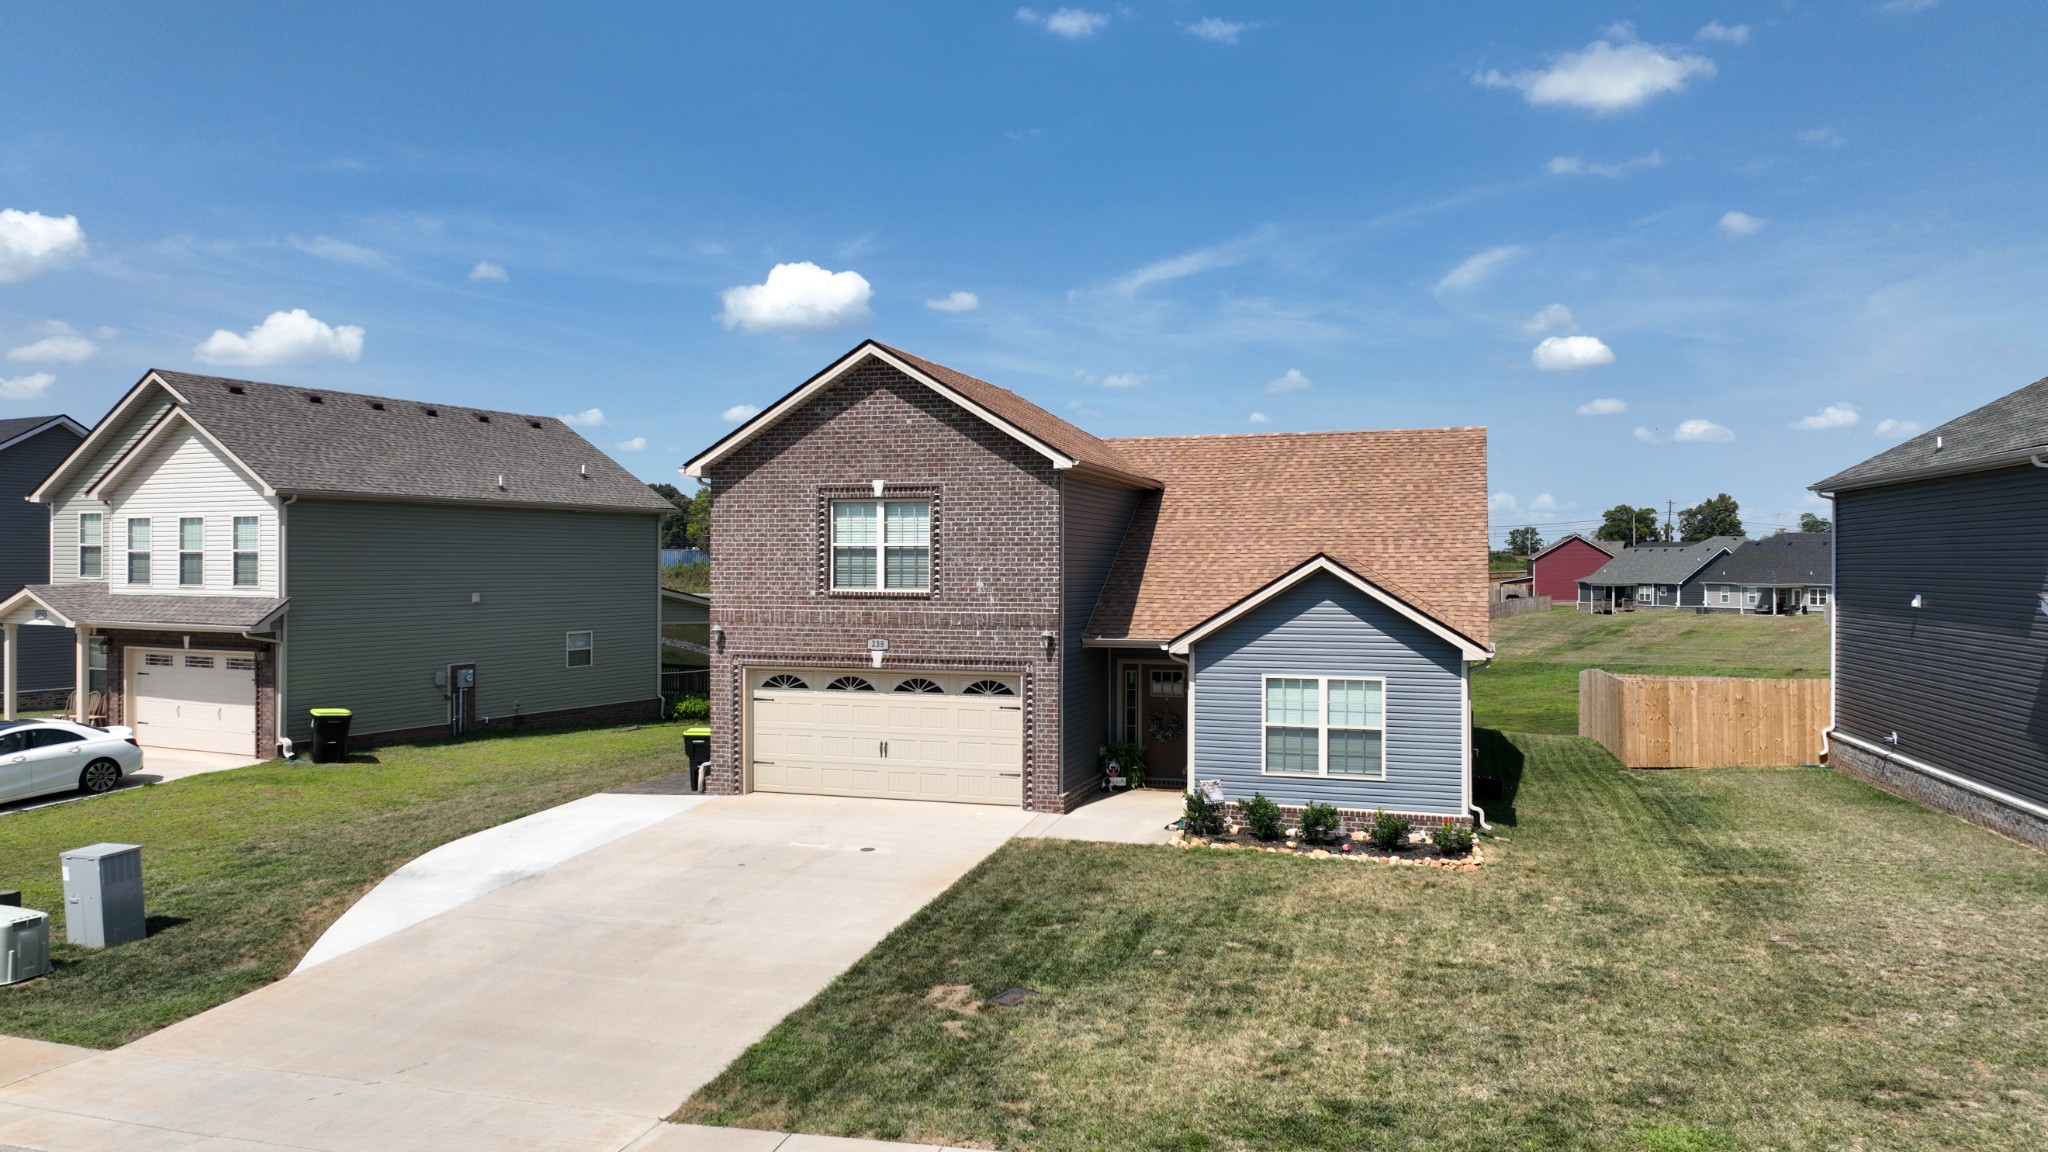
x: 1940, y: 795
x: 625, y: 712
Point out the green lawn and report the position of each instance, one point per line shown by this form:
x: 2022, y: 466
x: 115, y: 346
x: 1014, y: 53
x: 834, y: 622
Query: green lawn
x: 1533, y: 684
x: 1727, y: 959
x: 243, y: 870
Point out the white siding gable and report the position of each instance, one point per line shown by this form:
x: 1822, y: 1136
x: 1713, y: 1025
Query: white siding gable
x: 182, y: 477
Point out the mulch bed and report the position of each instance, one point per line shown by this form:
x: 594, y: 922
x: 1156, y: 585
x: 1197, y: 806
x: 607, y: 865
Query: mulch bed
x: 1419, y: 850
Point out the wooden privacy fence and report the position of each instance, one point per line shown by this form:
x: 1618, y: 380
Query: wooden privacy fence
x: 1515, y: 606
x: 1703, y: 721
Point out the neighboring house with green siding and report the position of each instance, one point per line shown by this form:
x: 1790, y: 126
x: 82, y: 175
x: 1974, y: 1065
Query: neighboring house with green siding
x: 229, y: 554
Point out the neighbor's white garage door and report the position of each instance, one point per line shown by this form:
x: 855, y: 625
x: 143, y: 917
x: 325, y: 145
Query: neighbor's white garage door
x: 909, y: 735
x: 204, y: 701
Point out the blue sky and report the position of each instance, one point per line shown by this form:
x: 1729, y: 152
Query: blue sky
x: 1752, y: 242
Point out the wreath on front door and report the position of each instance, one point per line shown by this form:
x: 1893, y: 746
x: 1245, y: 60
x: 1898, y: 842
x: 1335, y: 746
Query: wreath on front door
x: 1166, y: 727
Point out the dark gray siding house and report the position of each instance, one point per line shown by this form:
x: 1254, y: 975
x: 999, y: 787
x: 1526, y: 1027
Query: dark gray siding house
x: 1941, y: 617
x: 1653, y: 575
x: 685, y: 642
x: 31, y: 447
x: 1786, y: 574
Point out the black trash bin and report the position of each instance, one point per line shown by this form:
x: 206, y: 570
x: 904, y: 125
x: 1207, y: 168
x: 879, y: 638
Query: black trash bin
x: 697, y: 746
x: 330, y: 735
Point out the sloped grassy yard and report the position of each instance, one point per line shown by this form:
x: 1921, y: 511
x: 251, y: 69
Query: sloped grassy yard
x: 243, y: 870
x: 1734, y: 959
x: 1533, y: 685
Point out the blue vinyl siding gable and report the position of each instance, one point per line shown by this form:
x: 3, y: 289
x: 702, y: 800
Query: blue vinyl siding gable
x: 1324, y: 627
x: 1094, y: 517
x: 45, y: 660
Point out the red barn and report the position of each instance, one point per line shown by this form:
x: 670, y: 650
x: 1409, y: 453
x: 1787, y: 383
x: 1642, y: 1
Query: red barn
x: 1558, y: 569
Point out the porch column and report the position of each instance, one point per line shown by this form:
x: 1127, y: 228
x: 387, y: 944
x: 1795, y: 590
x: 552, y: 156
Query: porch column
x: 13, y: 637
x: 81, y: 671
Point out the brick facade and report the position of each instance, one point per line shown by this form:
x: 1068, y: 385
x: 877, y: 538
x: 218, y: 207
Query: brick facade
x: 1919, y: 787
x: 995, y: 587
x: 119, y: 642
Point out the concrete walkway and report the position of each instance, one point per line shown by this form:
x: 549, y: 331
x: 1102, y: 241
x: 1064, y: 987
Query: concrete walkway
x: 571, y: 1009
x: 1119, y: 818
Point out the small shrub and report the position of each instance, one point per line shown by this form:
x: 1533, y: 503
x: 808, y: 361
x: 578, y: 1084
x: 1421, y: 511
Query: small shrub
x: 691, y: 709
x: 1388, y: 830
x: 1203, y: 817
x: 1452, y: 839
x: 1262, y: 818
x: 1319, y: 822
x: 1129, y: 761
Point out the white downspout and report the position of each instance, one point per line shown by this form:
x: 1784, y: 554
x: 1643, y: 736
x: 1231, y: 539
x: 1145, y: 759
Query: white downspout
x: 1465, y: 709
x: 281, y: 665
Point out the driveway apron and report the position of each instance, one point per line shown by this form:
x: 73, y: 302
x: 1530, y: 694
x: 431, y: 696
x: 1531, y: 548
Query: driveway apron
x: 568, y: 1010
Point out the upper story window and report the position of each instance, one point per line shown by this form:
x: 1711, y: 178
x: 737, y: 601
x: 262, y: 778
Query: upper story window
x: 582, y: 649
x: 138, y: 551
x: 245, y: 551
x: 191, y: 550
x: 882, y: 544
x: 92, y: 540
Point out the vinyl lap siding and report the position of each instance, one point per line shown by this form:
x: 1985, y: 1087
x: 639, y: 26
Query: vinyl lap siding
x: 45, y: 661
x: 380, y: 602
x: 1094, y: 517
x: 1325, y: 627
x: 65, y: 502
x: 182, y: 477
x: 1963, y: 680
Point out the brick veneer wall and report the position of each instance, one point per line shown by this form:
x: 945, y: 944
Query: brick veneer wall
x: 118, y: 643
x: 995, y: 557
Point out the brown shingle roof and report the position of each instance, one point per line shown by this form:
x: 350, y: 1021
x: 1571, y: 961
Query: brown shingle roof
x: 1404, y: 509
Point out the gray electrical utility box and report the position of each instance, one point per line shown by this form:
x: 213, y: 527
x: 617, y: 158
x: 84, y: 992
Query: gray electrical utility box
x: 103, y: 895
x: 24, y: 944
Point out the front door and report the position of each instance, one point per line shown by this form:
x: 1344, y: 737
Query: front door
x: 461, y: 698
x: 1163, y: 724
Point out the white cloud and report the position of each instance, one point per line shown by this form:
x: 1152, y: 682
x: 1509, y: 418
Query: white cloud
x: 1740, y: 224
x: 1703, y: 431
x: 1907, y: 6
x: 1218, y: 31
x: 1646, y: 435
x: 1072, y: 23
x: 340, y: 251
x: 1260, y: 418
x: 1570, y: 353
x: 1188, y: 264
x: 1548, y: 318
x: 1503, y: 502
x: 738, y: 413
x: 588, y: 418
x: 1544, y: 502
x: 1822, y: 138
x: 1604, y: 406
x: 61, y: 344
x: 955, y: 302
x: 1605, y: 77
x: 1477, y: 269
x: 31, y: 242
x: 1725, y: 33
x: 1124, y: 380
x: 25, y: 387
x: 485, y: 270
x: 1832, y: 416
x: 633, y: 445
x: 1898, y: 428
x: 1573, y: 166
x: 292, y: 337
x: 1292, y: 381
x: 798, y: 297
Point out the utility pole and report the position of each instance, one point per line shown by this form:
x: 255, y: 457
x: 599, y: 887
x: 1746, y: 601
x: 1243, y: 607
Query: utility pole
x: 1668, y: 506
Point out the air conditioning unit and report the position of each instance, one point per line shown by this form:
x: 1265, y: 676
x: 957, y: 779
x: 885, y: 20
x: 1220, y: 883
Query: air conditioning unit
x: 24, y: 944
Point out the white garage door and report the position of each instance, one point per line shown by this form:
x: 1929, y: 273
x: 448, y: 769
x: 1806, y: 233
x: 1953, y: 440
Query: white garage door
x: 909, y: 735
x: 204, y: 701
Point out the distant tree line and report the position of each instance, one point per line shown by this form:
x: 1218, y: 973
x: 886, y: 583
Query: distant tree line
x: 689, y: 526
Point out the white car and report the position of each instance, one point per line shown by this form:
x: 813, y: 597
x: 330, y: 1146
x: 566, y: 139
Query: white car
x: 43, y: 756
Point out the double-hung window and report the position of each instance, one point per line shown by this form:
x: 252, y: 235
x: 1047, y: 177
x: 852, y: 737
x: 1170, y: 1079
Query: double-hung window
x: 245, y: 551
x: 1817, y: 597
x: 1325, y: 726
x: 1750, y: 597
x: 1646, y: 593
x: 191, y: 550
x: 582, y: 649
x: 138, y: 551
x: 92, y: 540
x: 885, y: 544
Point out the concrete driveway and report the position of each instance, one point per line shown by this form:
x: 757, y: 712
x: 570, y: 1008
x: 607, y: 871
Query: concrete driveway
x: 570, y: 1009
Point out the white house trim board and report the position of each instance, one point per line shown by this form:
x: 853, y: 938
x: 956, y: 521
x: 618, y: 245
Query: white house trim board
x: 21, y: 607
x: 1320, y: 563
x: 173, y: 419
x: 797, y: 399
x: 104, y: 430
x: 38, y: 430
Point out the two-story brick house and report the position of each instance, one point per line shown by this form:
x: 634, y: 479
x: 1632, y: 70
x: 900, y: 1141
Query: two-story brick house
x: 228, y: 554
x: 925, y: 586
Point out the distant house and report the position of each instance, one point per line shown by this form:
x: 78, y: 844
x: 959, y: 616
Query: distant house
x: 236, y: 553
x: 1782, y: 575
x: 685, y: 642
x: 1653, y: 575
x: 1941, y: 617
x: 1556, y: 571
x: 29, y: 448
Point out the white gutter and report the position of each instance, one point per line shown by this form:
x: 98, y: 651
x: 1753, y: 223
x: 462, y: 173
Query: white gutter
x: 1942, y: 774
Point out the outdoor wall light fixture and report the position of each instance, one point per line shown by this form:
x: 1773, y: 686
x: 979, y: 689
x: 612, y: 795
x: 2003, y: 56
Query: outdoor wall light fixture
x: 717, y: 638
x: 1046, y: 639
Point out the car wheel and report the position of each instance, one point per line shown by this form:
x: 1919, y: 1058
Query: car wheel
x: 99, y: 777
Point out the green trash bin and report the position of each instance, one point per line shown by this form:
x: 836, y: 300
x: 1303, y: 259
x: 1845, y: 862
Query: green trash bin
x: 697, y: 746
x: 330, y: 735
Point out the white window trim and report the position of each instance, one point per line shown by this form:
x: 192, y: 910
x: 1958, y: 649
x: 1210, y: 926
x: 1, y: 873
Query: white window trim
x: 100, y: 547
x: 1322, y: 771
x: 567, y: 650
x: 184, y: 552
x: 880, y: 547
x: 128, y: 552
x: 236, y: 552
